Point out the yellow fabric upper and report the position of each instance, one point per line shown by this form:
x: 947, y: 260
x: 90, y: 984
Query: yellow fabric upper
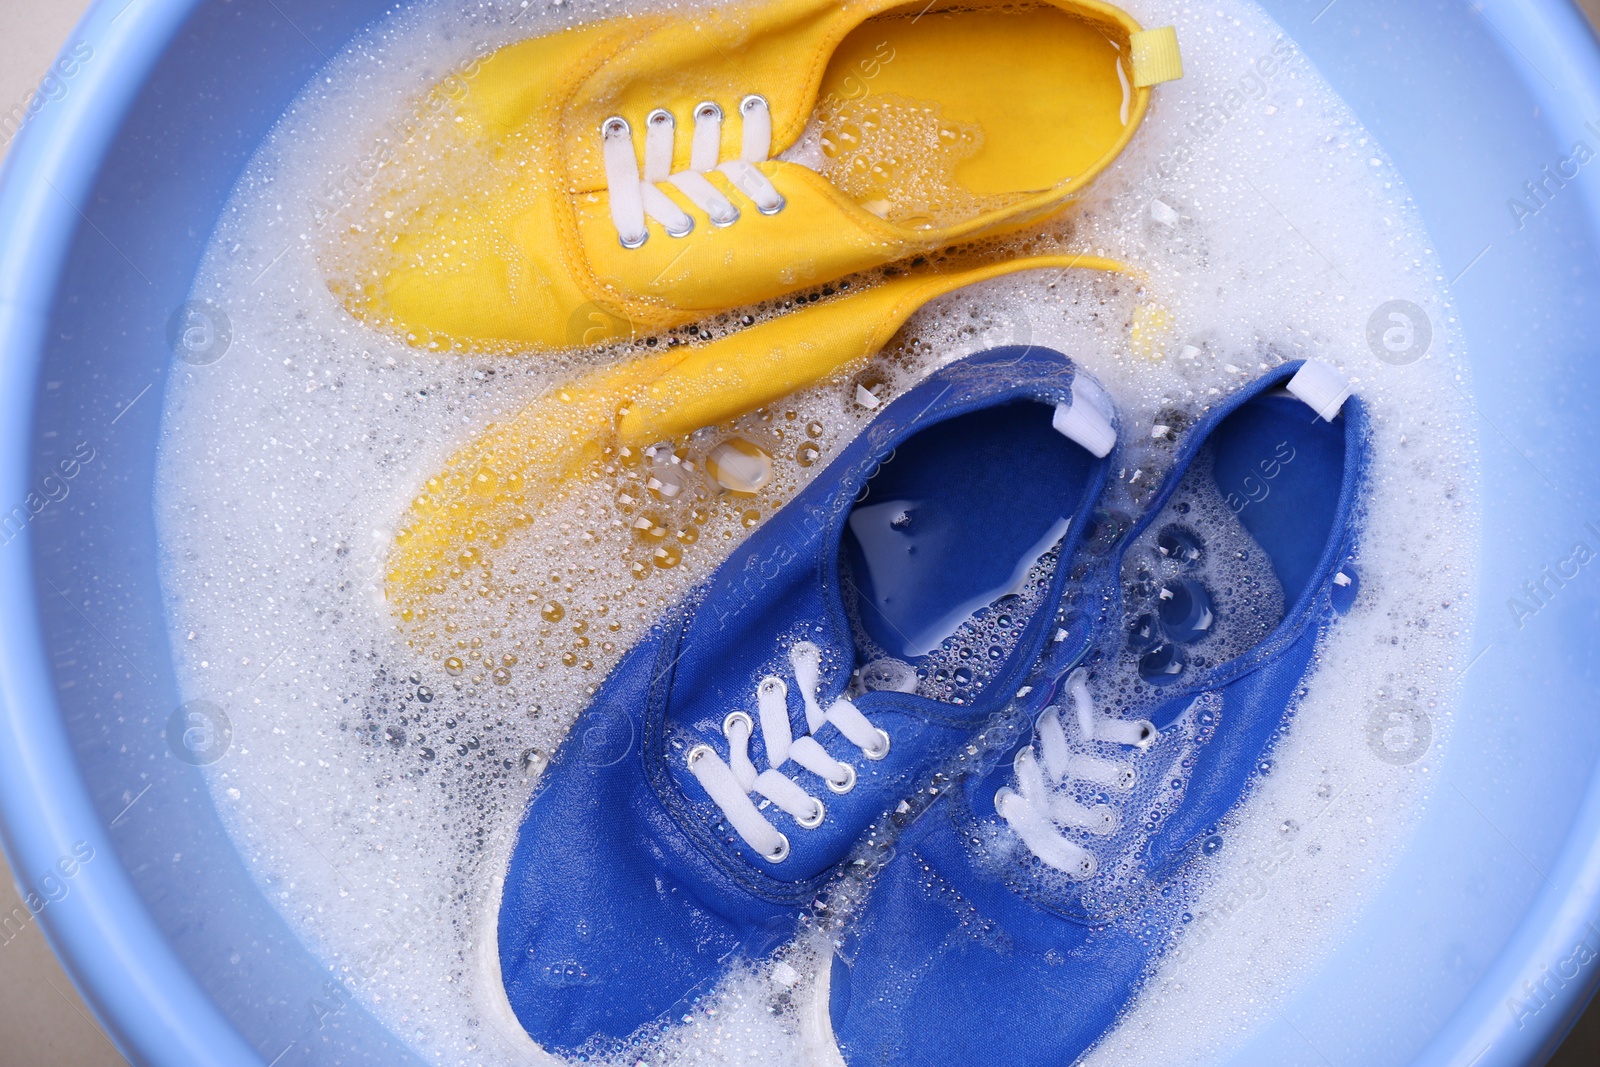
x: 528, y: 258
x: 495, y: 484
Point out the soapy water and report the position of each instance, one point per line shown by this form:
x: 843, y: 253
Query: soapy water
x: 1197, y: 589
x: 379, y: 768
x: 917, y: 190
x: 965, y: 659
x: 1196, y: 592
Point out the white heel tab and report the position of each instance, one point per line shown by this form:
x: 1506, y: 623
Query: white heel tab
x: 1085, y: 420
x: 1322, y: 388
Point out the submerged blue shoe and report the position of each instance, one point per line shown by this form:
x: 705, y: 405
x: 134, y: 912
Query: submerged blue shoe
x: 1022, y: 910
x: 737, y: 755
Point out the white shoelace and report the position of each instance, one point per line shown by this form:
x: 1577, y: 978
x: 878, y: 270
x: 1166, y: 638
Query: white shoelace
x: 1038, y: 807
x: 730, y: 784
x: 634, y: 196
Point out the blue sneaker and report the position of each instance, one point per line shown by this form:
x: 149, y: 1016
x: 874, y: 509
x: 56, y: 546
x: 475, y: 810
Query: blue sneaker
x: 1022, y: 910
x: 736, y: 756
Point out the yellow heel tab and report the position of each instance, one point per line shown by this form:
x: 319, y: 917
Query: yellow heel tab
x: 1155, y: 56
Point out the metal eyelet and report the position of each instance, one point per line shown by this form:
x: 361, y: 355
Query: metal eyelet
x: 660, y: 115
x: 707, y: 110
x: 729, y: 221
x: 736, y: 716
x: 779, y: 854
x: 644, y: 236
x: 698, y: 753
x: 816, y: 820
x: 879, y: 752
x: 849, y: 782
x: 1147, y: 734
x: 686, y: 231
x: 775, y: 208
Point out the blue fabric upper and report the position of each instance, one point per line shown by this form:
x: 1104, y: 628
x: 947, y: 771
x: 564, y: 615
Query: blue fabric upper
x: 627, y: 892
x: 959, y: 956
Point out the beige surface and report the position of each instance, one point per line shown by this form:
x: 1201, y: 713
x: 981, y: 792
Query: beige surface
x: 43, y: 1021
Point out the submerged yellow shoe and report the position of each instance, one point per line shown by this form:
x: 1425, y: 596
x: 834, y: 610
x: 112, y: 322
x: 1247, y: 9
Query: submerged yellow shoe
x: 495, y: 485
x: 639, y: 173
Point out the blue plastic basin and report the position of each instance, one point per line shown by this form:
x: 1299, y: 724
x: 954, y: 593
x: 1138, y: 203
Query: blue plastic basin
x: 1480, y: 949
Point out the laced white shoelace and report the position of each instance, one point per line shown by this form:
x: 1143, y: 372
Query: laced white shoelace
x: 1039, y: 807
x: 730, y: 784
x: 634, y: 196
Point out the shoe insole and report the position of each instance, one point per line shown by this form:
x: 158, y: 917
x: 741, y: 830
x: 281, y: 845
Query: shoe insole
x: 956, y: 519
x: 1280, y: 468
x: 931, y: 116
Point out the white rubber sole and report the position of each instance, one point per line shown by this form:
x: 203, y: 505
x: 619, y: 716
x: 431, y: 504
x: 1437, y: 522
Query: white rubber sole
x: 816, y: 1022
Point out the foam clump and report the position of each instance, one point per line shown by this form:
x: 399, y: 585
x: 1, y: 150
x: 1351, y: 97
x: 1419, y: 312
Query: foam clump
x: 381, y: 760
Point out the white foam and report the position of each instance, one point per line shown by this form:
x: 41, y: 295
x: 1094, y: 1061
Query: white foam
x: 379, y: 822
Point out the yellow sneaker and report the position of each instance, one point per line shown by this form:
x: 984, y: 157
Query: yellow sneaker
x: 639, y: 173
x: 494, y: 485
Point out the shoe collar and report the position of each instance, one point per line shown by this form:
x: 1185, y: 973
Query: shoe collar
x: 975, y: 383
x: 1049, y: 687
x: 1342, y: 536
x: 961, y: 390
x: 814, y: 522
x: 678, y: 62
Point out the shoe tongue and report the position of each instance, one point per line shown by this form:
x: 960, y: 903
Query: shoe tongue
x: 743, y: 271
x: 807, y: 150
x: 885, y: 674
